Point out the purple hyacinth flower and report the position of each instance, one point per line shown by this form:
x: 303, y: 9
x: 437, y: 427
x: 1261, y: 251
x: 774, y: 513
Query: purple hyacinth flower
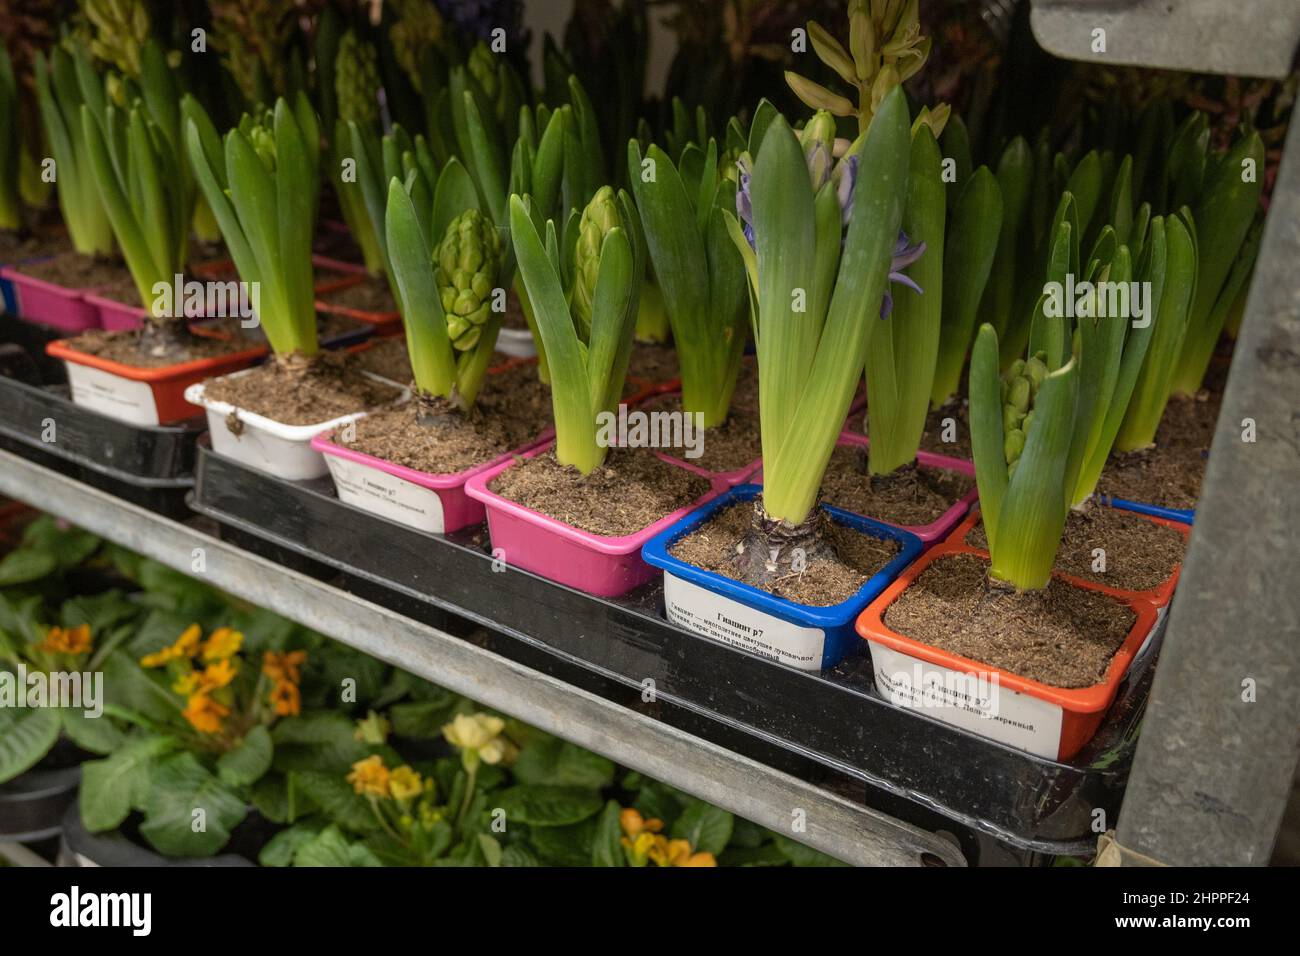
x: 904, y: 255
x: 744, y: 204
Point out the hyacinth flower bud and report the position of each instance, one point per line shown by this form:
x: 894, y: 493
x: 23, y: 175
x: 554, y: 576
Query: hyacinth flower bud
x: 468, y: 261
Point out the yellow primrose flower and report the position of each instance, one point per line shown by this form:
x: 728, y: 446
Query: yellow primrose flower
x: 188, y: 683
x: 678, y: 853
x: 639, y: 847
x: 205, y: 714
x: 369, y: 777
x: 634, y: 824
x: 480, y: 734
x: 187, y: 645
x: 373, y: 729
x: 405, y: 783
x: 72, y: 640
x: 218, y: 675
x: 221, y: 643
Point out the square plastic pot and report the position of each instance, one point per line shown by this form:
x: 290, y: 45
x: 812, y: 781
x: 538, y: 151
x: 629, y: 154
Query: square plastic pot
x: 143, y: 396
x: 798, y: 635
x: 517, y: 343
x: 934, y: 532
x: 1183, y: 515
x: 1050, y: 722
x: 381, y: 323
x: 116, y: 316
x: 436, y: 503
x: 265, y: 444
x: 39, y: 301
x: 603, y: 565
x: 720, y: 480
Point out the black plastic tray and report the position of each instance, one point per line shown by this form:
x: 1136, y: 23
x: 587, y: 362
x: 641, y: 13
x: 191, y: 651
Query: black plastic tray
x: 149, y: 466
x: 911, y: 765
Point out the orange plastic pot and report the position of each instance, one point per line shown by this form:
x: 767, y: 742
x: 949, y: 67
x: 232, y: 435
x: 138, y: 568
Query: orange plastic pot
x: 1051, y: 722
x: 385, y: 323
x: 144, y: 396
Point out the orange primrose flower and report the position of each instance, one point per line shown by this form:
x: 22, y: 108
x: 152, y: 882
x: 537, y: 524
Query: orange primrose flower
x: 284, y: 667
x: 72, y: 640
x: 286, y: 699
x: 205, y: 714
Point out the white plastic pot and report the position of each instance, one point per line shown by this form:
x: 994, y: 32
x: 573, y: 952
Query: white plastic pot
x: 267, y: 445
x: 517, y: 343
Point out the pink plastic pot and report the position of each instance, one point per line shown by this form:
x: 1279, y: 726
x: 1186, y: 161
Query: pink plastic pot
x: 597, y: 564
x: 49, y: 304
x: 434, y: 503
x: 938, y: 529
x: 720, y: 480
x: 116, y: 316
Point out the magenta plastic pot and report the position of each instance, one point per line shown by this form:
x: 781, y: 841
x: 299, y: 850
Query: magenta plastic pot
x: 434, y: 503
x: 116, y: 316
x: 50, y: 304
x: 938, y: 529
x: 720, y: 480
x: 602, y: 565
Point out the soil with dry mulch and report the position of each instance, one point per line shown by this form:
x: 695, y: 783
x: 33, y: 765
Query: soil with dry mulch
x: 631, y: 491
x: 911, y: 496
x: 1139, y: 554
x: 303, y: 393
x: 1062, y: 635
x: 825, y: 581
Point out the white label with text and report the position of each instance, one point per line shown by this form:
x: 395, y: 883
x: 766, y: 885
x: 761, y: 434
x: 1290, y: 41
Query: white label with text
x: 974, y: 702
x: 112, y: 395
x: 387, y: 495
x: 736, y: 624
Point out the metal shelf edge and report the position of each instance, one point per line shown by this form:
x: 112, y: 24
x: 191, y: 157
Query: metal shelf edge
x: 834, y: 825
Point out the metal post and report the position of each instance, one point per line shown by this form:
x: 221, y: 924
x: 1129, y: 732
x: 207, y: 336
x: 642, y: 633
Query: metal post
x: 1257, y: 38
x: 1222, y: 732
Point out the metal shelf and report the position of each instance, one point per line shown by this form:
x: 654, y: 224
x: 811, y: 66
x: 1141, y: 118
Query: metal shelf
x: 1257, y: 38
x: 834, y: 824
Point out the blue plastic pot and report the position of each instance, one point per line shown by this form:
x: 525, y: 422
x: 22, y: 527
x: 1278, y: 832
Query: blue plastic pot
x: 809, y: 638
x: 1184, y: 515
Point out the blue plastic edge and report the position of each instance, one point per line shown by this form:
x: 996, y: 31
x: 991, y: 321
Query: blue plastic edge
x: 1185, y: 515
x: 836, y: 618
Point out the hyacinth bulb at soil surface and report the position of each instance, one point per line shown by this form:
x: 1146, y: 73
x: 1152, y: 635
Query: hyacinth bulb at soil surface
x: 468, y: 261
x: 598, y: 218
x: 356, y: 80
x: 1019, y: 389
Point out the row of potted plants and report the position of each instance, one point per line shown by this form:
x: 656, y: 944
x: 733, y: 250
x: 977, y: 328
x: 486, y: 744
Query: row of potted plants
x: 833, y: 256
x: 291, y: 749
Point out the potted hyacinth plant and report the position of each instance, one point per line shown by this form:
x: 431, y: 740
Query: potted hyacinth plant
x: 1027, y: 656
x: 769, y: 569
x: 51, y: 291
x: 1040, y: 433
x: 263, y: 182
x: 886, y: 475
x: 550, y: 511
x: 139, y: 372
x: 410, y: 462
x: 699, y: 283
